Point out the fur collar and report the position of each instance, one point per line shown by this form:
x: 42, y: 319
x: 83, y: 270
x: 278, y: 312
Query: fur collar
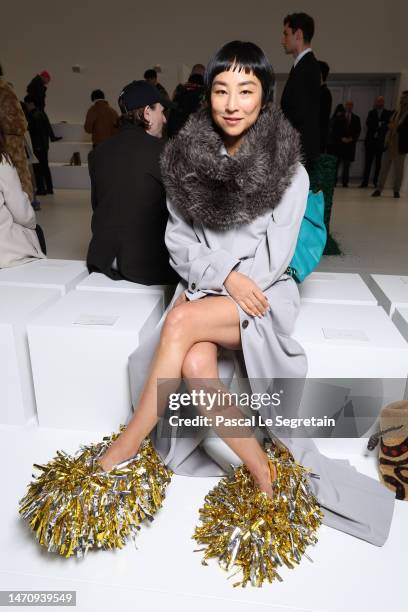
x: 222, y: 191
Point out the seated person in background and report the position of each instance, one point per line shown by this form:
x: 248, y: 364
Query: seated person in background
x: 18, y: 238
x: 128, y: 196
x: 101, y: 119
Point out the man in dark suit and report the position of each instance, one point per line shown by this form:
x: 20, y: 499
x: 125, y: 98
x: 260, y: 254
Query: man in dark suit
x: 128, y: 196
x: 325, y: 106
x: 377, y: 125
x: 348, y: 129
x: 300, y: 100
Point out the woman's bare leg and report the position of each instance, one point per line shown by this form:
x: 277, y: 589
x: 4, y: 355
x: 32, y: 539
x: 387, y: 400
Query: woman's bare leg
x: 200, y: 370
x: 210, y: 320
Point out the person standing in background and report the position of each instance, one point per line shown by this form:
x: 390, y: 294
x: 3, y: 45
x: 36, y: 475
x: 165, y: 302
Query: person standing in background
x: 325, y: 106
x: 396, y: 143
x: 300, y: 101
x: 40, y: 140
x: 377, y: 125
x: 15, y: 126
x: 347, y: 130
x: 101, y: 119
x: 37, y: 90
x: 150, y: 76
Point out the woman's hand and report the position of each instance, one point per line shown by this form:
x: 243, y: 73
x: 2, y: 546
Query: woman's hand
x: 180, y: 300
x: 246, y: 293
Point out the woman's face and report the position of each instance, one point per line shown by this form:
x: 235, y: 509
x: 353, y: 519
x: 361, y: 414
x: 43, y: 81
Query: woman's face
x: 236, y: 101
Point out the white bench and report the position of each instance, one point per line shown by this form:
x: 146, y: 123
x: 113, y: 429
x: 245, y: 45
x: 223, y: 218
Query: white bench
x: 79, y: 353
x: 400, y: 320
x: 390, y: 290
x: 100, y: 282
x: 17, y: 306
x: 328, y: 288
x: 351, y: 342
x: 60, y: 274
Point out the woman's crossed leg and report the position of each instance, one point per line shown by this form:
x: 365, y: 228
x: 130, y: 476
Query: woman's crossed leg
x: 191, y: 334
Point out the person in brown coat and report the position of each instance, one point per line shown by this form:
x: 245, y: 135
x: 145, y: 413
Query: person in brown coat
x: 15, y: 125
x: 101, y: 119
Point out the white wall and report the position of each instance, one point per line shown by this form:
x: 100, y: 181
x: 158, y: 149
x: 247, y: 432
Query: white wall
x: 116, y: 41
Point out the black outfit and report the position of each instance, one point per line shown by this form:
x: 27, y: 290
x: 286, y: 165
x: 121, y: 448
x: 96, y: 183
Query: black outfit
x: 37, y: 90
x: 129, y: 209
x: 38, y: 126
x: 188, y: 99
x: 377, y: 124
x: 346, y: 151
x: 325, y: 111
x: 403, y: 137
x: 300, y: 104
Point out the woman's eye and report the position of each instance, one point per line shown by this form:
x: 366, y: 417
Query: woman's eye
x: 220, y: 91
x: 246, y: 91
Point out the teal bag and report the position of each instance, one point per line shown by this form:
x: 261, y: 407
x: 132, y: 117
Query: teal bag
x: 311, y: 240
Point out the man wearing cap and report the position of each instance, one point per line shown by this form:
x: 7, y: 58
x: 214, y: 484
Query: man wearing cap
x: 127, y: 193
x: 37, y: 90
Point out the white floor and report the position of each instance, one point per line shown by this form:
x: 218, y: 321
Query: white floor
x: 347, y: 573
x: 371, y: 231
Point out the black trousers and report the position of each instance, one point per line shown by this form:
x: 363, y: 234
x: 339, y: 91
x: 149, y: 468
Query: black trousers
x: 346, y: 171
x: 42, y: 172
x: 371, y: 154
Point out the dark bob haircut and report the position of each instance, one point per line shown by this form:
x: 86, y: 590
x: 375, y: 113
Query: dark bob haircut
x: 245, y: 56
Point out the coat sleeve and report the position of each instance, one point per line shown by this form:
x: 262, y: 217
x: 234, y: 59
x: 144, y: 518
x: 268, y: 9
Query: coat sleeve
x: 202, y: 268
x: 275, y: 251
x: 15, y: 198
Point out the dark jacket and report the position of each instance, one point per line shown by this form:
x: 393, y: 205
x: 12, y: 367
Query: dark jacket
x: 325, y: 110
x: 377, y: 125
x: 188, y: 98
x: 300, y: 103
x: 343, y: 129
x: 129, y: 209
x: 37, y: 90
x: 39, y: 129
x: 403, y: 137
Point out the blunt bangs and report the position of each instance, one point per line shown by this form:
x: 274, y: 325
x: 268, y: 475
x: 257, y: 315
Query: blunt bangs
x: 242, y: 56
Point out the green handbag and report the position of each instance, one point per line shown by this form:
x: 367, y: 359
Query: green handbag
x: 311, y: 240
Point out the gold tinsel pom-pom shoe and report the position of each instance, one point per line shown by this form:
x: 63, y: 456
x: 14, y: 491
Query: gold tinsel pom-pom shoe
x: 242, y: 527
x: 74, y: 505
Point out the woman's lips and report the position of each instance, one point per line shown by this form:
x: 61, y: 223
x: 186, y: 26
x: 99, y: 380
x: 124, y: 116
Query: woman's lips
x: 231, y: 120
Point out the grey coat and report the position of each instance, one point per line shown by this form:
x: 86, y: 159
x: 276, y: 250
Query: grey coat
x: 262, y: 249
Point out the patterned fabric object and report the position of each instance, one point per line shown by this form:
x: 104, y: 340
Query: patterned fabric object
x: 393, y: 455
x: 323, y: 176
x: 14, y: 125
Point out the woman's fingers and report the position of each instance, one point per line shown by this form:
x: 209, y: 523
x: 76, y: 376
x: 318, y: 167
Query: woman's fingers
x: 260, y: 304
x: 262, y: 298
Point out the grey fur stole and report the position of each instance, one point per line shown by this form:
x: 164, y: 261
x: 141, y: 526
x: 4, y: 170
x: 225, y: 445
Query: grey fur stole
x: 222, y: 191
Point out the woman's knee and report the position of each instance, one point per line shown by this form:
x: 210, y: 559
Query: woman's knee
x: 200, y: 362
x: 177, y: 324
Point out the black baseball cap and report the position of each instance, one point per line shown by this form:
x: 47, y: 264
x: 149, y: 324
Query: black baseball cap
x: 138, y: 94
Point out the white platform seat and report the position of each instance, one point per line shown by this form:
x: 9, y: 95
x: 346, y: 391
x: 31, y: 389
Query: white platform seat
x: 400, y: 320
x: 329, y: 288
x: 60, y: 274
x: 71, y: 132
x: 351, y: 342
x: 17, y: 306
x: 391, y: 291
x: 79, y: 353
x: 100, y: 282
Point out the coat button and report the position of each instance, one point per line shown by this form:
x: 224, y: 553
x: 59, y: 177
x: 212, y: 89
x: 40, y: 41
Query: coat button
x: 193, y: 286
x: 245, y: 323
